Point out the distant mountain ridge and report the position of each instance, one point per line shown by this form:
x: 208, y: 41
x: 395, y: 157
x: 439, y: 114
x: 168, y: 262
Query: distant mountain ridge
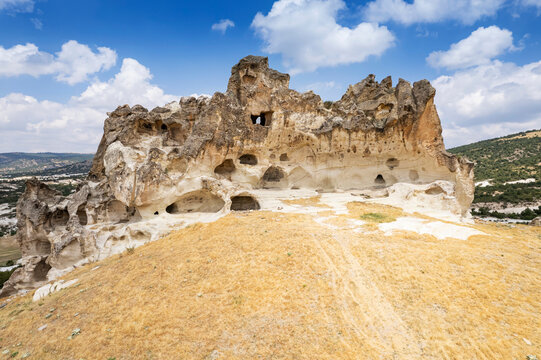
x: 50, y: 163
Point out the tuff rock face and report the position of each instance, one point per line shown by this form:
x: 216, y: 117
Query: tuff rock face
x: 203, y: 157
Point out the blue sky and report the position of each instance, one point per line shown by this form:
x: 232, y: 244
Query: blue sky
x: 64, y: 64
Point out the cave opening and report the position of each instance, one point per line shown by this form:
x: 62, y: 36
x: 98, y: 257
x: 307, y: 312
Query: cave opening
x: 273, y: 174
x: 244, y: 203
x: 81, y: 214
x: 198, y: 201
x: 227, y: 167
x: 60, y: 218
x: 392, y: 163
x: 379, y: 180
x: 248, y: 159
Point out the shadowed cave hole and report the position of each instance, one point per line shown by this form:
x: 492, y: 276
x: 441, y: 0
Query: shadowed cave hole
x: 284, y: 157
x: 273, y: 174
x: 244, y: 203
x: 392, y: 163
x: 248, y: 159
x: 41, y: 270
x: 227, y: 167
x: 379, y: 180
x: 196, y: 201
x: 164, y: 127
x: 60, y: 218
x: 81, y: 214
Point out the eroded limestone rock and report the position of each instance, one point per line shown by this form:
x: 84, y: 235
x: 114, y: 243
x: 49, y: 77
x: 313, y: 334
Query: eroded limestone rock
x: 199, y: 158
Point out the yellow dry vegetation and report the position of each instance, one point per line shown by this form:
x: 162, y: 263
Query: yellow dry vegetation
x: 310, y: 201
x: 281, y: 286
x: 531, y: 134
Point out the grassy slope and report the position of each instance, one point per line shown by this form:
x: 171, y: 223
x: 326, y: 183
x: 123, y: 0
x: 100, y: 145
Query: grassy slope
x: 280, y: 286
x: 509, y: 158
x: 513, y: 157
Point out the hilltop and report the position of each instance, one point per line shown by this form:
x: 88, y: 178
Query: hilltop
x: 314, y: 283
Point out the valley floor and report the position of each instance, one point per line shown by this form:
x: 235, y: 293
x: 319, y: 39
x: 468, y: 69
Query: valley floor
x: 323, y: 284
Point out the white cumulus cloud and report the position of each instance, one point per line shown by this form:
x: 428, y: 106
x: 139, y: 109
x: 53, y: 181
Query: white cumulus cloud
x: 223, y: 25
x: 22, y: 6
x: 431, y: 11
x: 28, y: 124
x: 72, y: 64
x: 479, y: 48
x: 489, y: 100
x: 307, y: 35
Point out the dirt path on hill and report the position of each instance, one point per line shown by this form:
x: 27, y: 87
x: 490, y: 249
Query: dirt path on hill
x: 363, y: 307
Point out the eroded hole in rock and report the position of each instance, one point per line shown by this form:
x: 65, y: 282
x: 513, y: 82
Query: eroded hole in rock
x: 244, y: 203
x: 156, y: 213
x: 118, y: 212
x: 163, y: 127
x: 379, y: 180
x: 196, y: 201
x: 392, y: 163
x: 248, y: 79
x: 227, y: 167
x: 273, y: 174
x: 434, y: 190
x: 81, y: 214
x: 284, y: 157
x: 248, y: 159
x: 413, y: 175
x: 41, y: 270
x: 60, y: 218
x: 147, y: 126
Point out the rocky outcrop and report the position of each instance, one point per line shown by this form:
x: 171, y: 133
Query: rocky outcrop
x: 536, y: 221
x: 202, y: 157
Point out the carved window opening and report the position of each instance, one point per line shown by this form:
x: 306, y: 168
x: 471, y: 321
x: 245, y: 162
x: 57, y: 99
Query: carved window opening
x: 263, y: 119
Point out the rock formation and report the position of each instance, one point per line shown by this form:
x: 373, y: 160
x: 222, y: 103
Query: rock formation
x: 206, y: 156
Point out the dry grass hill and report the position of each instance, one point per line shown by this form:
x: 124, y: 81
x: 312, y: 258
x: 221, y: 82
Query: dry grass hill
x: 316, y: 285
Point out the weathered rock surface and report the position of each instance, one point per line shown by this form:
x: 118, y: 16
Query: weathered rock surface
x: 202, y: 157
x: 536, y: 221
